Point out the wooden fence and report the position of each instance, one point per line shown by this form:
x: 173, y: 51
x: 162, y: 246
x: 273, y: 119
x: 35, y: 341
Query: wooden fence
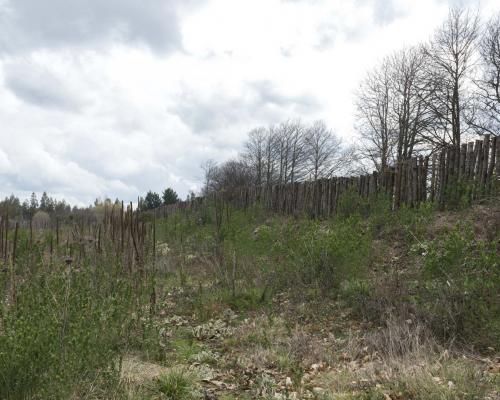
x: 470, y: 170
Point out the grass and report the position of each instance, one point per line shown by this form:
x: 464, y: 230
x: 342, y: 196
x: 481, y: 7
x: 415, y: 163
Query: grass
x: 176, y: 385
x: 372, y: 299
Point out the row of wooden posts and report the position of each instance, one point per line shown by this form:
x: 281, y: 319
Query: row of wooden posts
x: 468, y: 170
x: 120, y: 231
x: 473, y: 170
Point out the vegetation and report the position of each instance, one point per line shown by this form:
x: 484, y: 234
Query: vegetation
x: 218, y: 300
x: 250, y: 304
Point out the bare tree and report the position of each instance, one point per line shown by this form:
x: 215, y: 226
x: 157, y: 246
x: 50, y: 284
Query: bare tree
x: 451, y: 56
x: 377, y: 128
x: 209, y: 168
x: 297, y: 154
x: 485, y: 114
x: 232, y: 174
x: 410, y: 113
x: 288, y: 137
x: 254, y: 153
x: 323, y: 151
x: 270, y: 155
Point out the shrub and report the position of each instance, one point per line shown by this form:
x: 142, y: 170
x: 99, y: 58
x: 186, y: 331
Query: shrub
x: 63, y: 328
x: 328, y: 255
x: 460, y: 296
x: 176, y: 385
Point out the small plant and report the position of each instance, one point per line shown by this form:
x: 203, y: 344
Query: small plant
x: 175, y: 385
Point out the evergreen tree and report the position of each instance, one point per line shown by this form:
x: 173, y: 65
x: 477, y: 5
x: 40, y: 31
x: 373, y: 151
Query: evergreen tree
x: 152, y: 200
x: 33, y: 204
x: 170, y: 196
x: 44, y: 202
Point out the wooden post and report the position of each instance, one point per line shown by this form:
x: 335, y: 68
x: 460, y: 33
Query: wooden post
x: 397, y: 189
x: 493, y: 159
x: 442, y: 176
x: 498, y: 159
x: 463, y: 156
x: 99, y: 238
x: 424, y: 163
x: 57, y: 232
x: 154, y: 236
x: 479, y: 169
x: 414, y: 181
x: 6, y: 243
x: 1, y: 236
x: 469, y: 164
x: 31, y: 232
x: 122, y: 228
x: 15, y: 244
x: 486, y: 153
x: 433, y: 177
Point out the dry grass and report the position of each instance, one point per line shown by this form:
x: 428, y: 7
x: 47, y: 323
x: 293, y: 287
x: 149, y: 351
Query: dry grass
x: 402, y: 361
x: 137, y: 372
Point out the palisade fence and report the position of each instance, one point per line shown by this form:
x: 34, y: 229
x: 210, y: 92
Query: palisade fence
x: 467, y: 172
x: 121, y: 231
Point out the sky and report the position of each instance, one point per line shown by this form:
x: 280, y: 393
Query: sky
x: 112, y: 98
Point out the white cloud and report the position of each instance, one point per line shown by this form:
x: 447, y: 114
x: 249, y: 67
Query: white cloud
x: 115, y: 98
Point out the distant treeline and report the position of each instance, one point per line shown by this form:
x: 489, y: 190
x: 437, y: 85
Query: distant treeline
x: 26, y: 209
x: 48, y: 207
x: 153, y: 200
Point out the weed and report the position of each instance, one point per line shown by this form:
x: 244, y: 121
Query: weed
x: 176, y: 385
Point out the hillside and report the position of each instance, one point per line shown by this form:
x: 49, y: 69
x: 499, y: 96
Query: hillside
x: 371, y: 305
x: 218, y: 302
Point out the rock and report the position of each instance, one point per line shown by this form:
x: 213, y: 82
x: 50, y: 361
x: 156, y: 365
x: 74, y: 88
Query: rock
x: 318, y: 391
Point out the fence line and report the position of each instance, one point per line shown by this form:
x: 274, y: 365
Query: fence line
x: 469, y: 170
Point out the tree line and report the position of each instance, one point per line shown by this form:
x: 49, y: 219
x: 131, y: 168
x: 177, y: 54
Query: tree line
x: 417, y: 100
x: 14, y: 207
x: 153, y: 200
x: 283, y: 153
x: 48, y: 206
x: 426, y: 97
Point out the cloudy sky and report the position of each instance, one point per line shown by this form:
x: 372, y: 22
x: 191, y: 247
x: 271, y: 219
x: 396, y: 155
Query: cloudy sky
x: 115, y: 97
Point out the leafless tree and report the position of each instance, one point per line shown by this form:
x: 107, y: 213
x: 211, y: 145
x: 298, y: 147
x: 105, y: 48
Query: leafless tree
x: 377, y: 128
x: 410, y: 113
x: 451, y: 61
x: 270, y: 155
x: 288, y: 142
x: 323, y: 151
x: 231, y: 174
x: 254, y: 153
x: 485, y: 114
x: 209, y: 168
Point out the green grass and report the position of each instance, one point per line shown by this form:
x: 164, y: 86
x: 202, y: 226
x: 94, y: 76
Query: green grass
x: 176, y: 385
x: 349, y: 257
x: 63, y: 330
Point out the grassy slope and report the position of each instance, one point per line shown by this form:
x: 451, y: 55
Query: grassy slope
x: 368, y: 305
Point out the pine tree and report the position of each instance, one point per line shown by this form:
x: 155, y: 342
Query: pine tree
x: 170, y: 196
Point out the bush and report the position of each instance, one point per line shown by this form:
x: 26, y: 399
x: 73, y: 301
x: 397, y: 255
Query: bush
x: 460, y: 295
x: 323, y: 254
x: 176, y: 385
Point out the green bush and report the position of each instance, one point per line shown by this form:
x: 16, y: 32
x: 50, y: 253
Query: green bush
x: 176, y: 385
x: 460, y: 294
x: 65, y: 329
x: 312, y: 252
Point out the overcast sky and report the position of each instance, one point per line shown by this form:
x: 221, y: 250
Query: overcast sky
x: 115, y: 97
